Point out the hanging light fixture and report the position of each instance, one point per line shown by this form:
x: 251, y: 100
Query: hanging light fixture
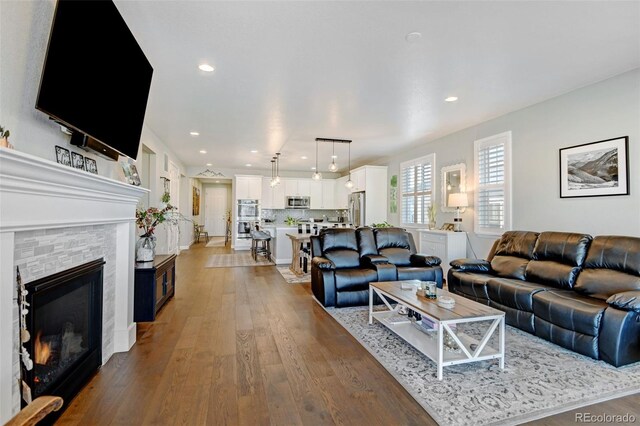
x: 273, y: 172
x: 277, y: 178
x: 316, y: 175
x: 349, y: 183
x: 333, y: 167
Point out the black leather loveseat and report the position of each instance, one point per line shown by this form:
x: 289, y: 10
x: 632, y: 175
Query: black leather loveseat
x: 345, y: 261
x: 576, y: 291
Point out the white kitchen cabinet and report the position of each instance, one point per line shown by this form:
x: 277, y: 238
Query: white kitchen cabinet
x: 315, y: 193
x: 447, y: 245
x: 304, y: 187
x: 248, y: 187
x: 328, y: 194
x: 359, y: 179
x: 290, y: 187
x: 266, y: 201
x: 277, y: 196
x: 341, y: 194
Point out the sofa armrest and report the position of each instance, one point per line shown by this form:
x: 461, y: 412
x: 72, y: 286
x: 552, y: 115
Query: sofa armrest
x: 471, y: 265
x: 373, y: 259
x: 422, y: 260
x: 323, y: 263
x: 627, y: 300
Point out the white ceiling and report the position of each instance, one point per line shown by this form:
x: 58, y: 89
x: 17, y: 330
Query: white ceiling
x: 288, y: 72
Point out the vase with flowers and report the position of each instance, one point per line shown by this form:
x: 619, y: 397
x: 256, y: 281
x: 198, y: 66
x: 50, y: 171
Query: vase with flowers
x: 147, y: 220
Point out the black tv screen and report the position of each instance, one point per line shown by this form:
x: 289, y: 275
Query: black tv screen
x: 96, y: 78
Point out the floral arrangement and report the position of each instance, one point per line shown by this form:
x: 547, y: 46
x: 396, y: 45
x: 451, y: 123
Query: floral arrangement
x: 148, y: 219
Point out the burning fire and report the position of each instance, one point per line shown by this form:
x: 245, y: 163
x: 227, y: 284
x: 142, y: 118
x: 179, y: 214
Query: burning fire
x: 42, y: 350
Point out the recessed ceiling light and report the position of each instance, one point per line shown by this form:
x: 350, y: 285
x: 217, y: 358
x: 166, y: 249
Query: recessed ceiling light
x: 209, y: 164
x: 304, y: 157
x: 202, y: 151
x: 313, y: 168
x: 194, y: 133
x: 413, y: 37
x: 206, y: 68
x: 248, y: 165
x: 217, y: 181
x: 254, y: 151
x: 451, y: 99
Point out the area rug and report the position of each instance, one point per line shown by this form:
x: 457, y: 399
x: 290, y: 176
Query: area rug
x: 234, y: 260
x: 215, y: 242
x: 540, y: 379
x: 292, y: 278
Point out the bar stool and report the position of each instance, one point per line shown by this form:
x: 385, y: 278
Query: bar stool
x: 260, y: 245
x: 305, y: 248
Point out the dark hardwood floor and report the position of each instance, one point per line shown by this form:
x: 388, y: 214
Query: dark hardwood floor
x: 241, y: 346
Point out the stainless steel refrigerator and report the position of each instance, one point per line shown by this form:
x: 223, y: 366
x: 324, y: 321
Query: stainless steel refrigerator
x: 356, y: 209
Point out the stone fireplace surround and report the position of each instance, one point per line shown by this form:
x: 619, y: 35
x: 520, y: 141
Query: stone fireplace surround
x: 54, y: 217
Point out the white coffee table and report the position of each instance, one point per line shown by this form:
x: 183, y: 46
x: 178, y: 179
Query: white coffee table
x: 444, y: 321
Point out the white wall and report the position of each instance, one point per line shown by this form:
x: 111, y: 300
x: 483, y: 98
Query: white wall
x: 604, y: 110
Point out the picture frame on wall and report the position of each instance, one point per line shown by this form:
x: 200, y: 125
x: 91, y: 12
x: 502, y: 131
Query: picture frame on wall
x: 77, y: 161
x: 595, y: 169
x: 195, y: 211
x: 90, y: 165
x: 63, y: 156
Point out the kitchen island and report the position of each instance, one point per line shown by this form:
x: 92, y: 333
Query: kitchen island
x: 281, y: 252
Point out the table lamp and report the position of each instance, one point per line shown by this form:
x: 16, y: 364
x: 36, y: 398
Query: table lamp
x: 458, y: 200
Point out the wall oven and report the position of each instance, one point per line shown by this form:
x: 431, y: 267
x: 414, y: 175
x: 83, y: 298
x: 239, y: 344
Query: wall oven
x: 297, y: 202
x: 244, y: 229
x: 248, y: 210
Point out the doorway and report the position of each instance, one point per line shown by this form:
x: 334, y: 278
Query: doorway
x: 216, y: 207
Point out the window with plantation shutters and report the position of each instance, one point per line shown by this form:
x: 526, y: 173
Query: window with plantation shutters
x: 492, y: 160
x: 416, y: 190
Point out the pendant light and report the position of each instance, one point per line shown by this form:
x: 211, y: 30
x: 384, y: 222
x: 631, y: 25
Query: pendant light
x: 273, y: 170
x: 349, y: 183
x: 277, y: 178
x: 333, y: 167
x: 316, y: 175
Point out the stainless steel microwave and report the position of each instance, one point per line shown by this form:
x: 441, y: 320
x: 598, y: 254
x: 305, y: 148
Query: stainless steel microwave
x: 296, y: 202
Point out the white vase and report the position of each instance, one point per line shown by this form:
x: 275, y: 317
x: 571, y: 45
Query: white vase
x: 146, y: 249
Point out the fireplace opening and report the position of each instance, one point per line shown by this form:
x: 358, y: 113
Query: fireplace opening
x: 65, y: 324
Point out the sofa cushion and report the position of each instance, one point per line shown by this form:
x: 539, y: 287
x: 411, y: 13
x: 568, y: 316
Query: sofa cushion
x: 391, y: 237
x: 343, y: 258
x: 415, y: 273
x: 516, y: 243
x: 354, y: 279
x: 509, y: 266
x: 569, y: 310
x: 513, y: 293
x: 614, y: 252
x: 603, y: 283
x: 557, y: 258
x: 366, y: 241
x: 336, y: 238
x: 397, y: 256
x: 612, y: 266
x: 469, y: 284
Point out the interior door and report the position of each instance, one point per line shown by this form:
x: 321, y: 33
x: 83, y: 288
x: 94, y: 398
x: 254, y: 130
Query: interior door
x: 215, y: 211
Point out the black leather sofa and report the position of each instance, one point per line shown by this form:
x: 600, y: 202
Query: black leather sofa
x: 576, y: 291
x: 345, y: 261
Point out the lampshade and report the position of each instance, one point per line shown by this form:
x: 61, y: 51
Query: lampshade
x: 459, y: 199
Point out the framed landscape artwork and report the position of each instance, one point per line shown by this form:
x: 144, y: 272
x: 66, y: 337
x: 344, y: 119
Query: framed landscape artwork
x: 595, y: 169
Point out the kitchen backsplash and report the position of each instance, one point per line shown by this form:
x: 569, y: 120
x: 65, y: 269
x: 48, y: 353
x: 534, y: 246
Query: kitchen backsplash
x: 279, y: 215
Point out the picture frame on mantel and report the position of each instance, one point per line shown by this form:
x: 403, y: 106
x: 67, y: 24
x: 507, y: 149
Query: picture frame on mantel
x: 63, y: 156
x: 595, y: 169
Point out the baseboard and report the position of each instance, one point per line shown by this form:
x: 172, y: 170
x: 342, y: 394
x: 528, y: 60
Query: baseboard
x: 125, y: 339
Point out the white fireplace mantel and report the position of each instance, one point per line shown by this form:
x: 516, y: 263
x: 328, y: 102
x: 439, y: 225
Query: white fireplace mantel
x: 38, y: 194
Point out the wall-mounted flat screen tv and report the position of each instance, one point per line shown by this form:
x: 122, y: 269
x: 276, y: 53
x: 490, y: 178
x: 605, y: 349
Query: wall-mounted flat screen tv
x: 96, y: 78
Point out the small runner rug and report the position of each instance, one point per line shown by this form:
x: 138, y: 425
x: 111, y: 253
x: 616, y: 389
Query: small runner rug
x: 540, y: 379
x: 215, y: 242
x: 292, y: 278
x: 234, y: 260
